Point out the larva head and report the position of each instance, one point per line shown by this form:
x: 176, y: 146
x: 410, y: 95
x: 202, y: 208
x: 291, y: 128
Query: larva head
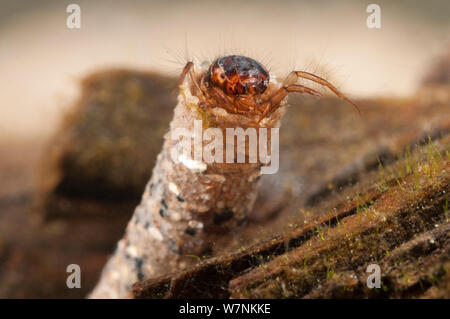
x: 238, y: 75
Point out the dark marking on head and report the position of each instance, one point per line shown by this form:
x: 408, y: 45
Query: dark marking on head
x: 238, y: 75
x: 180, y: 199
x: 161, y: 212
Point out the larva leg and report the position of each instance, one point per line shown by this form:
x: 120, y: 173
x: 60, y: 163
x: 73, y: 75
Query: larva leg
x: 187, y: 68
x: 280, y: 94
x: 246, y: 104
x: 321, y: 81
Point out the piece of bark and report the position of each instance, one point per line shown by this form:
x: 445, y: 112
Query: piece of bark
x: 328, y: 257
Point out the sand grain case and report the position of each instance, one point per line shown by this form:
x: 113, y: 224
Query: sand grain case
x: 187, y: 204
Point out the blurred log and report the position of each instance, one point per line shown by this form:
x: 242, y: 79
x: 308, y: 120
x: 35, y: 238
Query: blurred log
x: 107, y: 145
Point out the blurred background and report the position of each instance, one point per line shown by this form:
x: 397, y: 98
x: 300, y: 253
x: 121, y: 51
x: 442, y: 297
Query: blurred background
x: 124, y: 47
x: 42, y: 60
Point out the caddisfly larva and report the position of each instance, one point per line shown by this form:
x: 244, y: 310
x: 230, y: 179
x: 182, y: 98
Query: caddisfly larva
x: 189, y: 201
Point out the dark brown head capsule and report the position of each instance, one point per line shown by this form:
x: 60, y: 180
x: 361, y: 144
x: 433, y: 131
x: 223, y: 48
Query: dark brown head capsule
x: 236, y: 75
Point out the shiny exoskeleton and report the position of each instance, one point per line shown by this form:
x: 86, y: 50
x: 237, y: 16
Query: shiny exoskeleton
x: 236, y: 74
